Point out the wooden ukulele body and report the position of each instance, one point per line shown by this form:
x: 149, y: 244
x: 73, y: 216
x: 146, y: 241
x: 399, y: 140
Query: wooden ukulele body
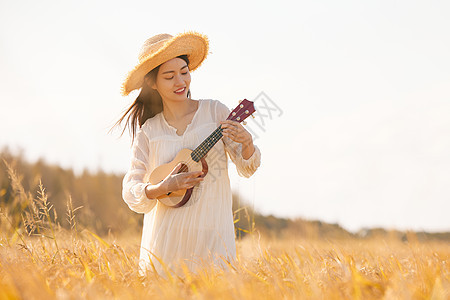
x: 180, y: 197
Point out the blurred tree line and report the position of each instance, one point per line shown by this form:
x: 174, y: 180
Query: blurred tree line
x: 101, y: 208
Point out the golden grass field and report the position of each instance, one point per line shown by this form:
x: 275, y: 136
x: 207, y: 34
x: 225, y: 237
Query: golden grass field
x: 41, y: 260
x: 88, y: 267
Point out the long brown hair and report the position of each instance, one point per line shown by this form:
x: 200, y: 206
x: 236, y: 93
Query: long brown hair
x: 147, y: 104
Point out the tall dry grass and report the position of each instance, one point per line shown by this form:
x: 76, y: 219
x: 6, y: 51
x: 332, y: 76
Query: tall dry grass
x: 41, y: 260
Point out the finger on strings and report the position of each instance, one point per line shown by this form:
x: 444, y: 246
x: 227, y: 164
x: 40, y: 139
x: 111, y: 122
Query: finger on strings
x: 232, y: 122
x: 231, y: 129
x: 228, y: 123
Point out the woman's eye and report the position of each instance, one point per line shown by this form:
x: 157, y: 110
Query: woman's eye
x: 169, y: 78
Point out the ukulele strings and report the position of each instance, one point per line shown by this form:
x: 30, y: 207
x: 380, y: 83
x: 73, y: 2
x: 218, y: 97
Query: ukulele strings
x: 188, y: 165
x: 209, y: 142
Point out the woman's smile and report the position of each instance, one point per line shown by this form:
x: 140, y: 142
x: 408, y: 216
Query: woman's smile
x: 180, y: 91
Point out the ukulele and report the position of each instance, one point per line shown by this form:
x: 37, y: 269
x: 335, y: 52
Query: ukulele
x: 194, y: 160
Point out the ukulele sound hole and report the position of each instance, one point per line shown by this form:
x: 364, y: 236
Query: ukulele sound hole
x: 184, y: 168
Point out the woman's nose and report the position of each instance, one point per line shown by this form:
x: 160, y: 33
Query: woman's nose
x: 178, y: 79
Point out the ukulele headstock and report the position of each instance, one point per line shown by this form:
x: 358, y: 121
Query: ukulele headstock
x: 242, y: 111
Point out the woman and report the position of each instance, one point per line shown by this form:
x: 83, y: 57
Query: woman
x: 163, y: 120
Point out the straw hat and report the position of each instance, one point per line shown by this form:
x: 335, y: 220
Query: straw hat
x: 163, y: 47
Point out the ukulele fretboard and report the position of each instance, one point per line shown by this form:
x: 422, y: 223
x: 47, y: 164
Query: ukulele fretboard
x: 207, y: 144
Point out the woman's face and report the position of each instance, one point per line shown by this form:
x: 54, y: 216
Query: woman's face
x: 173, y: 80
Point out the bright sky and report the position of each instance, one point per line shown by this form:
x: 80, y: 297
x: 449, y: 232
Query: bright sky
x: 361, y: 132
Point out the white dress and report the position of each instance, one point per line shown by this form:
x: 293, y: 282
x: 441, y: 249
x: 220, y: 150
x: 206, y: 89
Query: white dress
x: 202, y: 231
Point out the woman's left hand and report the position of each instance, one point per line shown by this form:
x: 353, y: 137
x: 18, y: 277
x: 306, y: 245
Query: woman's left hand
x: 235, y: 131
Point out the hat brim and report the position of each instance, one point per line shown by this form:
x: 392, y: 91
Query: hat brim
x: 192, y: 44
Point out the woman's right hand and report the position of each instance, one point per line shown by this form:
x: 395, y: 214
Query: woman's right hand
x: 173, y: 182
x: 181, y: 181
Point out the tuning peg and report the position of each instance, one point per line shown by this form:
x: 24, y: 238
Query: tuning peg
x: 252, y: 116
x: 240, y: 101
x: 244, y: 122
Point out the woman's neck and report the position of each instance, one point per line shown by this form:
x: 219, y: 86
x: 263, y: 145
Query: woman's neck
x: 177, y: 110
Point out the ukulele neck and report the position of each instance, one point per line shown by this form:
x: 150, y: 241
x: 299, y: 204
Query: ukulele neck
x: 207, y: 144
